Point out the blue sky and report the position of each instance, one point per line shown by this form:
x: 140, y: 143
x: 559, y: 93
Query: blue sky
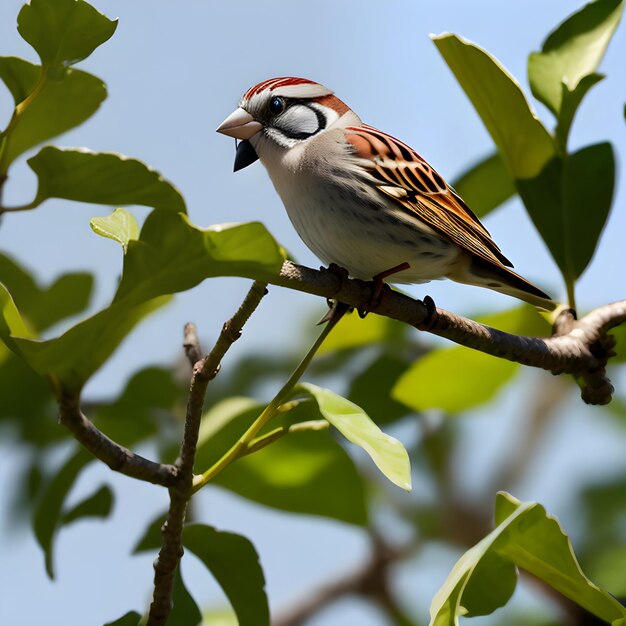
x: 174, y: 71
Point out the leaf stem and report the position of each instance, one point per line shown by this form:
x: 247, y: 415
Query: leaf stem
x: 240, y: 448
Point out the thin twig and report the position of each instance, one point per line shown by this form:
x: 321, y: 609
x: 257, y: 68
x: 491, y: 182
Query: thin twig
x: 191, y: 344
x: 204, y: 370
x: 581, y: 347
x: 117, y: 457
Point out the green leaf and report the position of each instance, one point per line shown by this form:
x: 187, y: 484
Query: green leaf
x: 371, y: 389
x: 355, y: 425
x: 42, y: 307
x: 173, y: 255
x: 527, y: 537
x: 570, y: 104
x: 185, y: 611
x: 101, y: 178
x: 99, y: 504
x: 62, y: 103
x: 573, y: 51
x: 121, y: 226
x: 486, y: 185
x: 48, y: 515
x: 234, y: 563
x: 152, y: 536
x: 63, y: 32
x: 304, y: 472
x: 524, y: 144
x: 74, y: 356
x: 559, y: 202
x: 130, y: 619
x: 149, y: 395
x: 457, y: 379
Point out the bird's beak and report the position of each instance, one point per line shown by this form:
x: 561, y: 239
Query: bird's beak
x: 241, y: 125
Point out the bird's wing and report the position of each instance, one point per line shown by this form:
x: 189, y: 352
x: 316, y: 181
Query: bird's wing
x: 420, y: 191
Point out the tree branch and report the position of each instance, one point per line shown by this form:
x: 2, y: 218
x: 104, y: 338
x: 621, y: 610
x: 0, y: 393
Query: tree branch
x: 579, y: 347
x: 117, y: 457
x: 204, y: 370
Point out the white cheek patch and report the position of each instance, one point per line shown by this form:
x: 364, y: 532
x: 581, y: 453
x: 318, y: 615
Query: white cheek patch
x: 298, y: 121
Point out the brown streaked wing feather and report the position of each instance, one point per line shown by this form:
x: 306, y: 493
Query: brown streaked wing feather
x: 419, y: 190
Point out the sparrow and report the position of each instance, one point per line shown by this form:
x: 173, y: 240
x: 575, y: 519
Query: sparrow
x: 361, y: 199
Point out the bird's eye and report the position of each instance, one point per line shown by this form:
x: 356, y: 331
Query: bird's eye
x: 277, y: 106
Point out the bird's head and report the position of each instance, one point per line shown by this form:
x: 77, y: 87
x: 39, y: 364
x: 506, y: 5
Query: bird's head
x: 281, y: 113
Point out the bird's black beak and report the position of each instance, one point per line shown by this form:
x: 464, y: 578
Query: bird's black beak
x: 245, y: 155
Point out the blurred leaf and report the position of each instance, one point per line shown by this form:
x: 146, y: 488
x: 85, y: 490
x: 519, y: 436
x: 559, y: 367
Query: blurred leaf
x: 74, y: 356
x: 304, y: 472
x: 63, y: 32
x: 524, y: 144
x: 572, y: 51
x: 559, y: 202
x: 457, y: 379
x: 152, y: 536
x: 620, y: 348
x: 185, y: 611
x: 353, y: 332
x: 67, y: 296
x: 130, y: 619
x: 121, y: 226
x: 355, y: 425
x: 220, y: 617
x: 27, y: 402
x: 101, y: 178
x: 528, y: 538
x: 134, y: 415
x: 371, y: 389
x: 173, y: 255
x: 486, y: 185
x: 63, y: 103
x: 99, y: 504
x: 234, y: 563
x: 48, y: 514
x: 570, y: 102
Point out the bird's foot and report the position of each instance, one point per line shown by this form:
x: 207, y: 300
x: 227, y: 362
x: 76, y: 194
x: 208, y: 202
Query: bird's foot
x: 431, y: 313
x: 343, y: 274
x: 379, y: 286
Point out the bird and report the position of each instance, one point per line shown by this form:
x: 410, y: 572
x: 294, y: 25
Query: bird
x: 361, y: 199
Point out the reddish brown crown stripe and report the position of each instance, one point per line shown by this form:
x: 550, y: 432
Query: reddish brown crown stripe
x: 275, y: 83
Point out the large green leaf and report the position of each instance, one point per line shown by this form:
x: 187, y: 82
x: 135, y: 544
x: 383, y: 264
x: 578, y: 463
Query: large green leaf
x: 62, y: 103
x: 572, y: 51
x: 67, y: 296
x: 102, y: 178
x: 356, y: 426
x: 524, y: 144
x: 304, y: 472
x: 137, y: 413
x: 48, y: 515
x: 74, y: 356
x: 527, y: 537
x: 121, y: 226
x: 185, y: 611
x: 63, y: 32
x: 234, y: 563
x: 459, y: 378
x: 569, y: 203
x: 486, y: 185
x: 173, y: 255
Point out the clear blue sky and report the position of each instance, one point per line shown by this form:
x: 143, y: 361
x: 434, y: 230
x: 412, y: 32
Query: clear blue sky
x: 174, y: 71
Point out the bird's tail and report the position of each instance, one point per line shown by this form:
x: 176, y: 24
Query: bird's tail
x: 500, y: 278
